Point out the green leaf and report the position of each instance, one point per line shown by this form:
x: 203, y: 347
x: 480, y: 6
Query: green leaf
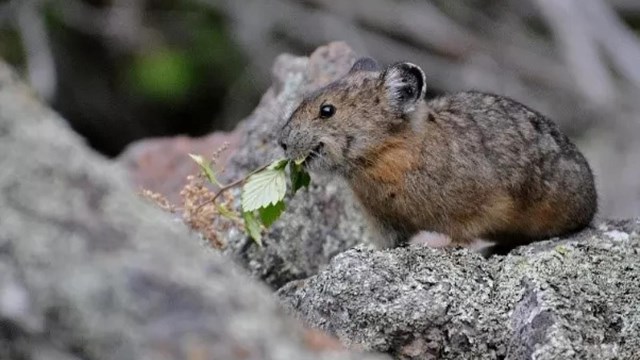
x: 205, y: 167
x: 278, y: 164
x: 226, y: 212
x: 197, y: 158
x: 252, y: 227
x: 299, y: 176
x: 271, y: 213
x: 264, y: 188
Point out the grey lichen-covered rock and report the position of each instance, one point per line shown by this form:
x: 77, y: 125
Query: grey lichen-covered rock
x: 321, y: 221
x: 576, y: 298
x: 88, y: 271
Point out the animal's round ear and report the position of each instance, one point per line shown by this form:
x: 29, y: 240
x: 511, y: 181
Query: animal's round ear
x: 365, y: 64
x: 405, y: 84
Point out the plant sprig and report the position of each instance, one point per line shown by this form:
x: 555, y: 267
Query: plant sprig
x: 263, y: 192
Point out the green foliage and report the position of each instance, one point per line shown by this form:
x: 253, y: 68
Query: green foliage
x: 163, y: 74
x: 264, y: 188
x: 225, y: 212
x: 263, y: 192
x: 11, y: 49
x: 271, y: 213
x: 252, y: 227
x: 205, y: 167
x: 299, y: 177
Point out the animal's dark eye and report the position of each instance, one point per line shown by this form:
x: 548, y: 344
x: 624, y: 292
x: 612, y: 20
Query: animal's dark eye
x: 327, y: 111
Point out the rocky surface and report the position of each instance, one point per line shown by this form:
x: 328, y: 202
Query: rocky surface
x: 89, y: 271
x: 576, y: 298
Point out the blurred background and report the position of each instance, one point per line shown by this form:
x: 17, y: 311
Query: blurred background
x: 123, y: 70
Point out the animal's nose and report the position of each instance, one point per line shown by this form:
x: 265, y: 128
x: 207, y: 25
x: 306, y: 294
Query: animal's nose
x: 283, y: 136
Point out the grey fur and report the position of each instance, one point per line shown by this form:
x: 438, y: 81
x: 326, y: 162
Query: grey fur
x: 365, y: 64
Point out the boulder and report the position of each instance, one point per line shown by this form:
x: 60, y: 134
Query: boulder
x: 90, y: 271
x: 573, y: 298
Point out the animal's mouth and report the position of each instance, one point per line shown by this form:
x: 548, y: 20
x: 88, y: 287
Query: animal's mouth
x: 314, y: 154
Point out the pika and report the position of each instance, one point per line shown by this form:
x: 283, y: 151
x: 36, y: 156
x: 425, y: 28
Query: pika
x: 471, y: 165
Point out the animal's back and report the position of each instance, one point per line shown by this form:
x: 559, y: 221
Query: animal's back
x: 513, y: 149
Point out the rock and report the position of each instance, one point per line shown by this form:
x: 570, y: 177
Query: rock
x: 319, y: 222
x: 576, y: 298
x: 162, y: 164
x: 89, y: 271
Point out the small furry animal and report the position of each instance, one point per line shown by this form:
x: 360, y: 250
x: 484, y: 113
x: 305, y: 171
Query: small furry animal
x: 469, y: 165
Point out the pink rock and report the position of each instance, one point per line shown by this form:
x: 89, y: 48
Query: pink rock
x: 162, y: 164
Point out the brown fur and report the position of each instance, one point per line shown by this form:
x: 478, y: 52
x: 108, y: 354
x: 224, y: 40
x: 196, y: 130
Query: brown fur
x: 391, y: 160
x: 468, y: 165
